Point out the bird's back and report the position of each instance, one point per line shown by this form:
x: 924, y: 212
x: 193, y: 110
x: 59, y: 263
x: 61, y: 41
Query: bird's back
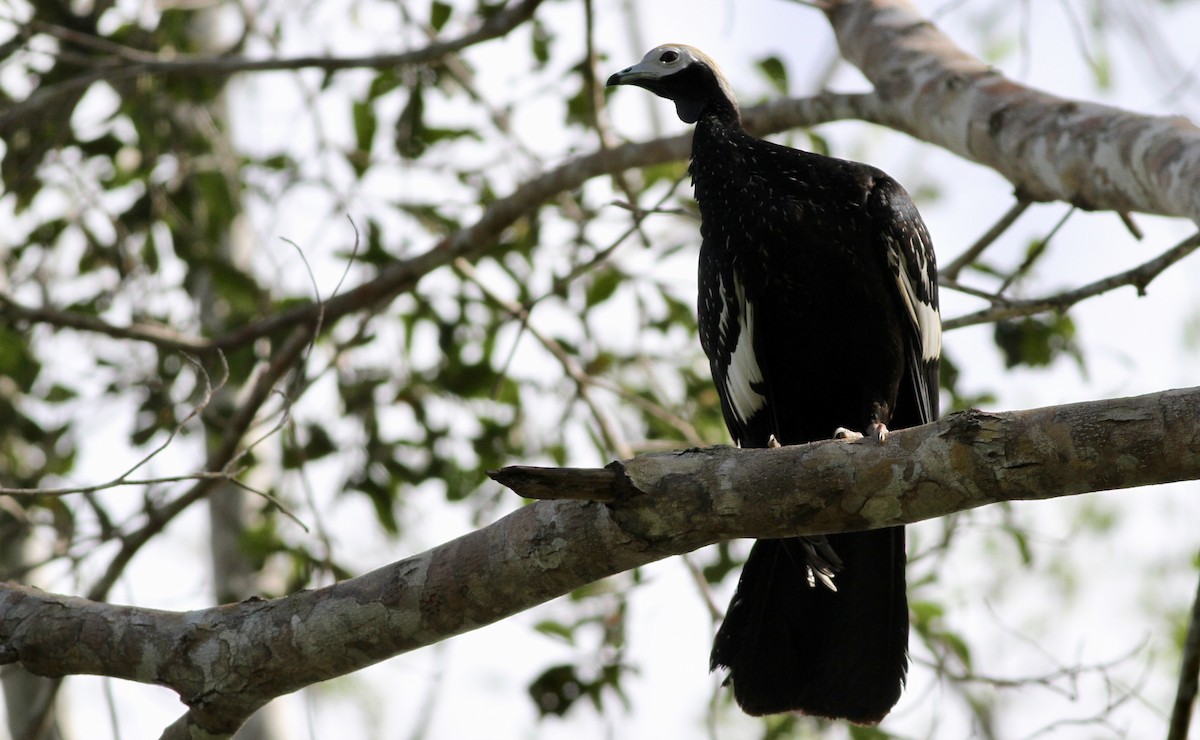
x: 788, y: 238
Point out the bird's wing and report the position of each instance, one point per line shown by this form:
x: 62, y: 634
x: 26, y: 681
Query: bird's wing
x: 727, y: 334
x: 911, y: 262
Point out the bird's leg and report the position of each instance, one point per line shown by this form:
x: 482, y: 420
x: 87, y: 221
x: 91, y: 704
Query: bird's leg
x: 877, y: 427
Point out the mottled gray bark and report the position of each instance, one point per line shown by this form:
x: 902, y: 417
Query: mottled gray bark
x: 227, y: 661
x: 1095, y: 156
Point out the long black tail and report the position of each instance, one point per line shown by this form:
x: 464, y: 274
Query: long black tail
x: 793, y: 647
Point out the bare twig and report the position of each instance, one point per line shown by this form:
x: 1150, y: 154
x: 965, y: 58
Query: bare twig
x: 1189, y: 676
x: 120, y: 68
x: 1139, y: 277
x: 157, y: 518
x: 1035, y: 252
x: 613, y: 439
x: 125, y: 478
x: 159, y: 336
x: 950, y: 271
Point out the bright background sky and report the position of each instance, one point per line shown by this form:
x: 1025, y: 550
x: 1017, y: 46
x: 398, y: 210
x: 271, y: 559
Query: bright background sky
x: 1133, y: 345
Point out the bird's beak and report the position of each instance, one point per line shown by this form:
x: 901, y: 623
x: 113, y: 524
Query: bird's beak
x: 629, y: 76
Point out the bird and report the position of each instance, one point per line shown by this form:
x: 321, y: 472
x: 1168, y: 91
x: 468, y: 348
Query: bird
x: 818, y: 312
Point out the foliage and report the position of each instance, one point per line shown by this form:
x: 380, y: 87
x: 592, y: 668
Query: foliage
x: 158, y: 239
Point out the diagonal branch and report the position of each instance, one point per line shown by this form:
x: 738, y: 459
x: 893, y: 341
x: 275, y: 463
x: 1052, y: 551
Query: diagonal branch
x: 1139, y: 277
x: 1093, y: 156
x: 227, y: 661
x: 1189, y: 677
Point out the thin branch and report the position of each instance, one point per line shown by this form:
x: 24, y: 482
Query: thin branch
x: 120, y: 68
x: 157, y: 335
x: 1038, y: 249
x: 950, y: 271
x: 156, y: 519
x: 613, y: 438
x: 1189, y: 677
x: 125, y: 478
x: 1139, y: 277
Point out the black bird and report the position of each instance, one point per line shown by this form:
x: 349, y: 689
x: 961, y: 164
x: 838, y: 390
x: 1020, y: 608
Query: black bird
x: 818, y: 310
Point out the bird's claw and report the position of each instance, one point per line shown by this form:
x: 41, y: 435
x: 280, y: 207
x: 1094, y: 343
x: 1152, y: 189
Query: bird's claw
x: 875, y: 430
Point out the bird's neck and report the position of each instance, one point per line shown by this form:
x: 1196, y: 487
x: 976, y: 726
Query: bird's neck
x: 719, y: 148
x: 720, y: 115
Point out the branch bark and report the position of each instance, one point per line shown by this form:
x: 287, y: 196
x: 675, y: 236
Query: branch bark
x: 1094, y: 156
x: 227, y: 661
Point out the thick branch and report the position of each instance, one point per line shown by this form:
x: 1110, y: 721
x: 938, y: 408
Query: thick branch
x: 1050, y: 148
x: 1094, y: 156
x: 227, y: 661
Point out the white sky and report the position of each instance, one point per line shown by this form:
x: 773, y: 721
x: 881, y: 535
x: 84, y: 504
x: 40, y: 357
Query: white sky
x: 1133, y: 346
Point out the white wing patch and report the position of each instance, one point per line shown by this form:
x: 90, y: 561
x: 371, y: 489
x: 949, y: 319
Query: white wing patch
x: 927, y: 319
x: 743, y: 374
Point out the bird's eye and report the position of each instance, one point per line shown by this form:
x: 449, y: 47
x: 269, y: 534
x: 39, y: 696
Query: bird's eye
x: 669, y: 56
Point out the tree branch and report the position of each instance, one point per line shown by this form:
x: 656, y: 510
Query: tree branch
x: 1096, y: 157
x: 134, y: 63
x: 400, y: 276
x: 1139, y: 277
x: 1189, y: 677
x: 1093, y: 156
x: 227, y: 661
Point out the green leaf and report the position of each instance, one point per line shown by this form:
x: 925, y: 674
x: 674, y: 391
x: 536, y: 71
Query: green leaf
x: 725, y: 563
x: 384, y: 83
x: 860, y: 732
x: 239, y: 292
x: 556, y: 690
x: 430, y: 218
x: 926, y: 612
x: 216, y: 203
x: 556, y: 629
x: 410, y: 126
x: 1036, y: 342
x: 365, y: 124
x: 59, y: 394
x: 957, y: 645
x: 540, y: 43
x: 818, y: 144
x: 773, y: 69
x: 603, y: 285
x: 439, y: 13
x: 16, y: 362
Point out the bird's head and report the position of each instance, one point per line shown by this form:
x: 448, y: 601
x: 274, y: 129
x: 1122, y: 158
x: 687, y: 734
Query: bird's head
x: 685, y: 75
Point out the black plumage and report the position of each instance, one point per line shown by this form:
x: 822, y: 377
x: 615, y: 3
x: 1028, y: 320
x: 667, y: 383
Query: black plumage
x: 818, y: 311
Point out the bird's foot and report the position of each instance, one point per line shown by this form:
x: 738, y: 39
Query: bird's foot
x: 875, y: 430
x: 821, y: 562
x: 878, y: 431
x: 773, y: 442
x: 846, y: 435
